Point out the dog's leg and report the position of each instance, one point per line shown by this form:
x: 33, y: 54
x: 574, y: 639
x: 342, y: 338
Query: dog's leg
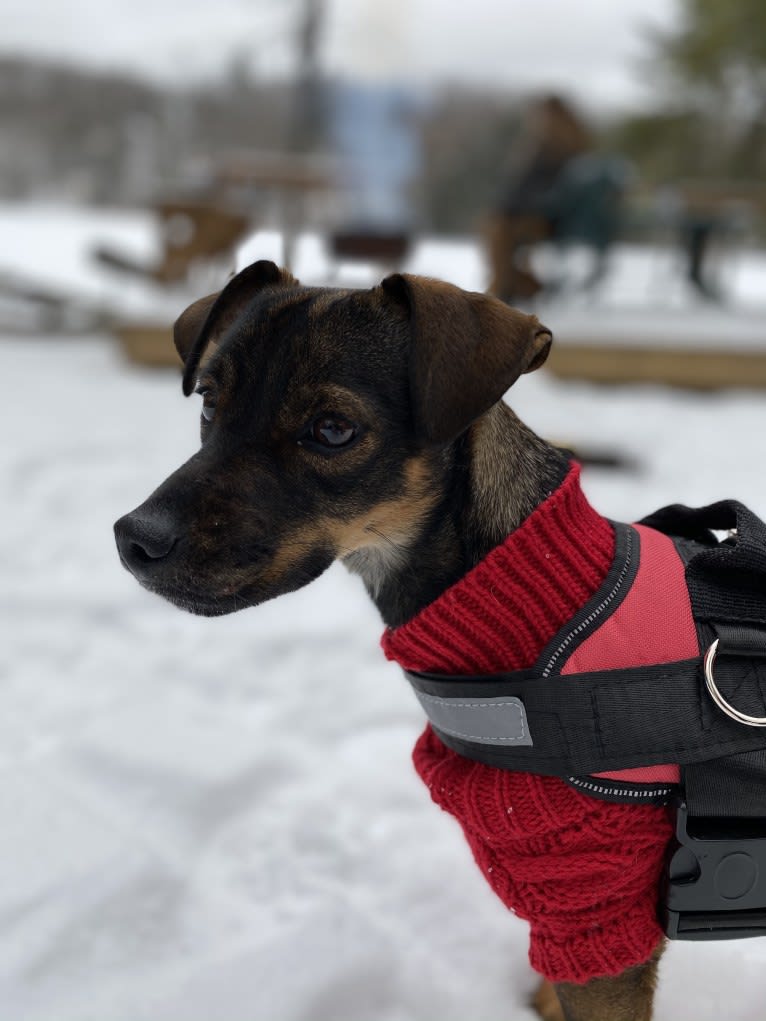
x: 546, y: 1003
x: 628, y: 997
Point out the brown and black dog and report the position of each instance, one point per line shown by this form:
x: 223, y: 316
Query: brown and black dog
x: 361, y: 425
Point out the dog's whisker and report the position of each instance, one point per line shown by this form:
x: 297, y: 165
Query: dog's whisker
x: 376, y: 564
x: 386, y: 538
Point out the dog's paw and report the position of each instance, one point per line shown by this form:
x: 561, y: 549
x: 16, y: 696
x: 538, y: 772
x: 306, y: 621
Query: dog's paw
x: 546, y: 1003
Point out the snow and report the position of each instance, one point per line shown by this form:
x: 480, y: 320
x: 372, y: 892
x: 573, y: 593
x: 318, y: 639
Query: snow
x: 219, y: 818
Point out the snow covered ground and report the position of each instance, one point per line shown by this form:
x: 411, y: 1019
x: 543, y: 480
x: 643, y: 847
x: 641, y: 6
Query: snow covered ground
x: 218, y: 819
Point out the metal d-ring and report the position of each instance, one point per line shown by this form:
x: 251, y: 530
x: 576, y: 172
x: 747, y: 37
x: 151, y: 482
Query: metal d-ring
x: 720, y: 701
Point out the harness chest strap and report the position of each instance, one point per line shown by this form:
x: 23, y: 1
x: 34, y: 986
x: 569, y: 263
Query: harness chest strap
x: 592, y: 722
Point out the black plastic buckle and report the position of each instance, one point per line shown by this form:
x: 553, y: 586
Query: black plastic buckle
x: 715, y: 879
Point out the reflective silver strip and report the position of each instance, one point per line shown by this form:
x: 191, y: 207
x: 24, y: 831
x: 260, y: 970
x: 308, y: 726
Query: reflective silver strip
x: 497, y: 721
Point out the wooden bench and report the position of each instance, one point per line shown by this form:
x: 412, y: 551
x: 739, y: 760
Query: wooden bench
x: 599, y: 204
x: 192, y: 232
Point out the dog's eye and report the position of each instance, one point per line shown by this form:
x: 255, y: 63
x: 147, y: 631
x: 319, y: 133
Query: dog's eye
x: 208, y: 403
x: 333, y: 431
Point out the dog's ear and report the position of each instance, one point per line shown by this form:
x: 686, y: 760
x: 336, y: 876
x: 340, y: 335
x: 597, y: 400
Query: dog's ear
x: 467, y: 350
x: 189, y: 324
x: 204, y: 321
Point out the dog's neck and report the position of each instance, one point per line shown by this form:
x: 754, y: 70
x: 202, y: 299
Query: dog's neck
x: 491, y: 479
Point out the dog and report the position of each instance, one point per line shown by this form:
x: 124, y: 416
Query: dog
x: 366, y: 426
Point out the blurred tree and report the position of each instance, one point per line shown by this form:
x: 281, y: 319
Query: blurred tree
x: 668, y: 144
x: 720, y: 51
x: 717, y: 62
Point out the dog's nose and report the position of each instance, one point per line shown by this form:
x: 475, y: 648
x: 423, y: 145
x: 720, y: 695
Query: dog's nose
x: 144, y: 541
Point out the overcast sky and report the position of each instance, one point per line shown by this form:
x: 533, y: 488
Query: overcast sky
x: 589, y: 47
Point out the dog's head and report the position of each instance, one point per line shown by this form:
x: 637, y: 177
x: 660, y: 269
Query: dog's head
x: 325, y: 417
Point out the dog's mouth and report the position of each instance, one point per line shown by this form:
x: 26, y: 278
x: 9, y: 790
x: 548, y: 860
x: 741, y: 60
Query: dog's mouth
x: 216, y: 599
x: 207, y: 600
x: 206, y: 605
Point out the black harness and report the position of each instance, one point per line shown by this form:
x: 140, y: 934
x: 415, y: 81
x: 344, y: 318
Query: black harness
x: 707, y: 713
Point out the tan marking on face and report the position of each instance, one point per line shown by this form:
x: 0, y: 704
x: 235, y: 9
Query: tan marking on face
x: 387, y: 527
x: 392, y: 521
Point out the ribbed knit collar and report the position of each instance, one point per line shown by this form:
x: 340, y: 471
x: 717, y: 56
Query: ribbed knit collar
x: 501, y: 614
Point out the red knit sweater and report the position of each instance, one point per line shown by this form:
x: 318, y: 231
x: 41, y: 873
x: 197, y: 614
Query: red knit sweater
x: 583, y: 872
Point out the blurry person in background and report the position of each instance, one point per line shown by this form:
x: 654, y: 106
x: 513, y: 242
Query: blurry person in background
x: 552, y: 136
